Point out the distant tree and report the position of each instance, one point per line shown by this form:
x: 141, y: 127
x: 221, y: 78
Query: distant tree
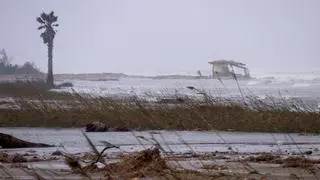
x: 28, y: 68
x: 48, y: 22
x: 4, y: 59
x: 7, y: 68
x: 4, y: 63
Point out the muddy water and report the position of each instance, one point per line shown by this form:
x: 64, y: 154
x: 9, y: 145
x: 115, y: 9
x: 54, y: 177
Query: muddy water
x: 176, y: 142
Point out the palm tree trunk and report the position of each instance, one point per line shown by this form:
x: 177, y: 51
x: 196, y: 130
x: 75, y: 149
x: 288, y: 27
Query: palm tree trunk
x: 50, y: 64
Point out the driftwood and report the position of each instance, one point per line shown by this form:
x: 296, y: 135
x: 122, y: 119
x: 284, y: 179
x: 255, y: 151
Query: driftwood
x: 8, y: 141
x: 97, y: 126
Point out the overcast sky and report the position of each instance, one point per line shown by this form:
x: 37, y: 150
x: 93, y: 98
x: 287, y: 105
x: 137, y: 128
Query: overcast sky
x: 153, y: 37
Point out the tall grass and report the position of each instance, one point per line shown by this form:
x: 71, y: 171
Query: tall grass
x: 43, y: 109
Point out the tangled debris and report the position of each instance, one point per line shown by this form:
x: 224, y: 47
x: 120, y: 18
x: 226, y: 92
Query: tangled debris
x: 16, y: 158
x: 150, y: 164
x: 141, y: 164
x: 265, y: 157
x: 146, y: 163
x: 75, y: 166
x: 291, y: 161
x: 299, y: 162
x: 20, y: 158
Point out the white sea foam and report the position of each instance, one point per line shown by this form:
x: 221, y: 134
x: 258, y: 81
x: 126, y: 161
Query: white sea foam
x: 274, y: 84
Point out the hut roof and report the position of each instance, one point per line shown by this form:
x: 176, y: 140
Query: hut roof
x: 222, y: 61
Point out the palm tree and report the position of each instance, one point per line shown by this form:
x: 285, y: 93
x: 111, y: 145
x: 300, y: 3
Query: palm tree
x: 48, y: 22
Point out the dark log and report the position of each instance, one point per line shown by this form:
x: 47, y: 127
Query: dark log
x: 8, y: 142
x: 97, y: 126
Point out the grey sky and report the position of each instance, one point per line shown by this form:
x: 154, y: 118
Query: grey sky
x: 166, y: 36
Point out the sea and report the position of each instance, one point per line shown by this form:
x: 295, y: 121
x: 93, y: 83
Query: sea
x: 303, y: 86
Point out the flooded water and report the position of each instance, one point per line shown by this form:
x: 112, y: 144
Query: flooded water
x: 175, y: 142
